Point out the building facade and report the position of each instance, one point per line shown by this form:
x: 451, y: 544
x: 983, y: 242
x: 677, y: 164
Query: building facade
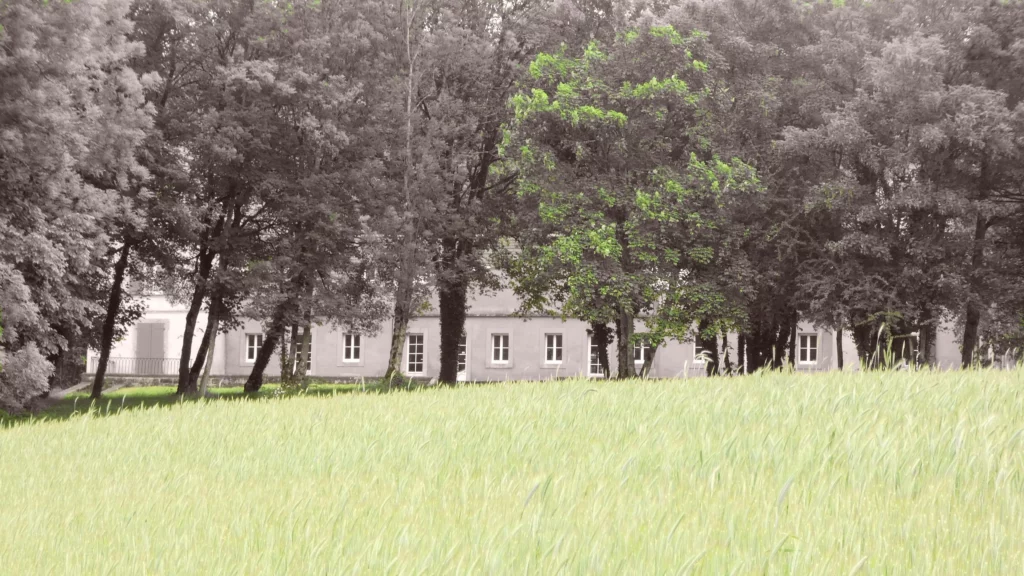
x: 497, y: 346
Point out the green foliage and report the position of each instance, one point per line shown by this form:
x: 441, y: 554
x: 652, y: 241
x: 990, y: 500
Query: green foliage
x: 74, y: 116
x: 616, y: 160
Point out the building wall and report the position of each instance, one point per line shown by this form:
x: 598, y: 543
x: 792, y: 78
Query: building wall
x: 947, y: 347
x: 490, y: 314
x: 126, y: 355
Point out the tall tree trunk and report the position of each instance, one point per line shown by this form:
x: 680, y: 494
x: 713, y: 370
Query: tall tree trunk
x: 453, y: 290
x: 792, y: 339
x: 972, y: 315
x: 741, y: 360
x: 714, y: 360
x: 399, y: 329
x: 285, y: 373
x: 212, y: 327
x: 110, y: 321
x: 185, y: 383
x: 624, y: 345
x: 726, y: 361
x: 406, y: 271
x: 926, y: 345
x: 205, y: 346
x: 761, y: 347
x: 780, y: 345
x: 289, y: 356
x: 839, y: 347
x: 255, y: 380
x: 304, y: 353
x: 602, y: 336
x: 753, y: 341
x: 277, y: 325
x: 709, y: 345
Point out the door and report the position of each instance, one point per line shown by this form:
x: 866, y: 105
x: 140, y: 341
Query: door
x: 149, y: 350
x: 463, y: 369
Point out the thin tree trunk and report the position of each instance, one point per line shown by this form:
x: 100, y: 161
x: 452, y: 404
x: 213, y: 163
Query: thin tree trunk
x: 212, y: 328
x: 623, y: 345
x: 283, y: 357
x: 205, y: 345
x: 714, y: 358
x: 185, y: 385
x: 602, y: 336
x: 399, y: 330
x: 406, y: 270
x: 255, y: 380
x: 779, y: 346
x: 709, y: 345
x: 290, y: 357
x: 760, y: 347
x: 928, y: 334
x: 972, y: 316
x: 792, y: 339
x: 452, y: 301
x: 277, y: 325
x: 741, y: 360
x: 304, y: 353
x: 753, y: 341
x: 726, y: 361
x: 839, y: 347
x: 110, y: 322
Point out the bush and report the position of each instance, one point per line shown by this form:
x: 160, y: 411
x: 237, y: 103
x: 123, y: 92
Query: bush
x: 24, y: 376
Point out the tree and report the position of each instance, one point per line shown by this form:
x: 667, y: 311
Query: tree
x: 74, y: 115
x: 619, y: 181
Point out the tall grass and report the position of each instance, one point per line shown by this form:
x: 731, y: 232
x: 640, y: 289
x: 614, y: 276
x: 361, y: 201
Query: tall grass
x: 910, y: 472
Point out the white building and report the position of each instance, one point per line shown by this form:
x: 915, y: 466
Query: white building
x: 498, y: 346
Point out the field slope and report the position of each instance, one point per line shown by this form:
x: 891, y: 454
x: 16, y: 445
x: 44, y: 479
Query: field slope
x: 782, y: 474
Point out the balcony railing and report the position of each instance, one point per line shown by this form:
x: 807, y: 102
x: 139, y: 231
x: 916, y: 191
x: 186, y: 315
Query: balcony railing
x: 136, y: 366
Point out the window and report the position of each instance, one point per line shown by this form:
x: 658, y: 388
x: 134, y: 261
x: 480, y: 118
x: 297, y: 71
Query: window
x: 298, y: 354
x: 414, y: 354
x: 808, y: 348
x: 641, y: 351
x: 462, y: 354
x: 499, y: 348
x: 594, y: 366
x: 700, y: 355
x: 553, y: 348
x: 352, y: 348
x: 253, y: 343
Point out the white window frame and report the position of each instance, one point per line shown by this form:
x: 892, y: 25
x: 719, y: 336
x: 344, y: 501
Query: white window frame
x: 699, y: 357
x: 593, y: 350
x: 507, y: 347
x: 554, y: 343
x: 258, y: 336
x: 350, y: 343
x: 422, y: 353
x: 804, y: 351
x: 645, y: 348
x: 464, y: 354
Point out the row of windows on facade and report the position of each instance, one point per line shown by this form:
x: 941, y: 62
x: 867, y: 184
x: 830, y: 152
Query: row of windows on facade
x: 501, y: 351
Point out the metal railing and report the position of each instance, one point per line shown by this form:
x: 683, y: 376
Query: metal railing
x: 136, y: 366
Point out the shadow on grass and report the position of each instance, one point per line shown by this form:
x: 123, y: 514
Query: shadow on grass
x: 125, y: 399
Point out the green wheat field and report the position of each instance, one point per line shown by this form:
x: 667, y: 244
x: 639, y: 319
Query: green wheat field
x: 878, y: 473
